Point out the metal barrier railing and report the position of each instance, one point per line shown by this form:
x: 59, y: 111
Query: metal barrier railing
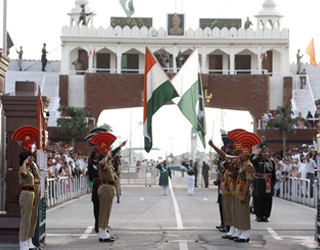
x: 138, y: 175
x: 299, y: 190
x: 66, y: 188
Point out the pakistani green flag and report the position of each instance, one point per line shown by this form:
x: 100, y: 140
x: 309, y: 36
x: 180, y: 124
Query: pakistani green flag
x: 127, y: 6
x: 190, y: 101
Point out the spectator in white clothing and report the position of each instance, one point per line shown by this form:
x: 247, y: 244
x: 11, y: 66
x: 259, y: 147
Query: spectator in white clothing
x: 310, y: 167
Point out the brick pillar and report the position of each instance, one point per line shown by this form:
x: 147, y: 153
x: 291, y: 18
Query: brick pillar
x: 20, y: 108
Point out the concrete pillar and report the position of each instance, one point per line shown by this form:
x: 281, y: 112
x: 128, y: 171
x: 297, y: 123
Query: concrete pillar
x: 259, y: 60
x: 90, y: 59
x: 119, y: 59
x: 232, y: 56
x: 174, y: 55
x: 204, y: 61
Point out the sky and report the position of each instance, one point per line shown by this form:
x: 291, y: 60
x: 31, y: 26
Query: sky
x: 32, y: 23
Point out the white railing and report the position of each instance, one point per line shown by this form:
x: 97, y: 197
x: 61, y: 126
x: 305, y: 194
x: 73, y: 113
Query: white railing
x: 171, y: 70
x: 299, y: 190
x: 66, y: 188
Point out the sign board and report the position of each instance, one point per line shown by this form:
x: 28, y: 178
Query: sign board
x: 219, y: 23
x: 131, y: 22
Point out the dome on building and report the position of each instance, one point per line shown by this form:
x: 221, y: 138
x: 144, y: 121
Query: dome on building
x: 75, y: 13
x: 269, y: 9
x: 269, y: 4
x: 77, y: 9
x: 268, y: 16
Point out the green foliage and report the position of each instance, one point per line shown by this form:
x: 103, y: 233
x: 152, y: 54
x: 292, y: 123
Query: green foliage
x: 77, y: 124
x: 284, y: 122
x: 107, y: 127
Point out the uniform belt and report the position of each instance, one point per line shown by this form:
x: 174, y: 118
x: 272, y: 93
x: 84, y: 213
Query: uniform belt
x: 262, y: 176
x: 96, y: 181
x: 27, y: 188
x: 108, y: 182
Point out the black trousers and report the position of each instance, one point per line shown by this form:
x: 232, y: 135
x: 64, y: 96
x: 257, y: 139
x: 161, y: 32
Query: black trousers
x: 262, y: 206
x: 221, y: 209
x: 95, y: 201
x: 96, y: 214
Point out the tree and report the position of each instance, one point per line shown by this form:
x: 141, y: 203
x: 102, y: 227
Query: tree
x: 284, y: 122
x: 107, y: 127
x: 76, y: 122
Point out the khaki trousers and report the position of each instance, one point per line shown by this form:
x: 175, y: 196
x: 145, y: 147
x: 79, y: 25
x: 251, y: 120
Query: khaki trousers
x: 243, y: 214
x: 105, y: 194
x: 234, y: 210
x: 26, y: 204
x: 35, y: 210
x: 118, y: 186
x: 227, y: 209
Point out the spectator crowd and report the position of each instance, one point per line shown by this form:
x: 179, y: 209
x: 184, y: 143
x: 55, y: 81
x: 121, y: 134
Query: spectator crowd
x: 298, y: 162
x: 64, y: 161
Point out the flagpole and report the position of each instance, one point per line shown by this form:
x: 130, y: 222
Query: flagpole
x: 2, y: 120
x: 5, y: 27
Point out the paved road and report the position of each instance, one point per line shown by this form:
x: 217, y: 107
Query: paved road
x: 147, y: 220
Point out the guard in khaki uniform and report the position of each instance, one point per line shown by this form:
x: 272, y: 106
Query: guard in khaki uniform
x: 107, y: 178
x: 25, y: 135
x: 26, y: 199
x: 234, y: 233
x: 227, y: 194
x: 245, y: 176
x: 37, y: 191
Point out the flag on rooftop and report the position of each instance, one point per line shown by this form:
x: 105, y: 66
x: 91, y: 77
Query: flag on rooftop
x: 158, y: 90
x: 127, y: 6
x: 312, y: 53
x: 190, y: 101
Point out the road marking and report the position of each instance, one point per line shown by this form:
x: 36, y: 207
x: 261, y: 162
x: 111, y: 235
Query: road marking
x: 59, y: 235
x: 176, y: 207
x: 183, y: 245
x: 142, y: 199
x: 205, y: 199
x: 273, y: 233
x: 87, y: 233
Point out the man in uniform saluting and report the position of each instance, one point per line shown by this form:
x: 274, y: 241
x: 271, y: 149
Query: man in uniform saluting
x: 107, y: 176
x: 245, y: 176
x: 28, y: 217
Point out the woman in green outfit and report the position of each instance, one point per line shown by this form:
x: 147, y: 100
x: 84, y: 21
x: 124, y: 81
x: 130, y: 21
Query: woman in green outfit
x: 165, y: 173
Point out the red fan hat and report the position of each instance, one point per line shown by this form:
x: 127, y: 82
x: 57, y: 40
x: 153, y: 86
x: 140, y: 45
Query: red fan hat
x: 103, y: 141
x: 248, y: 140
x: 26, y: 135
x: 233, y: 136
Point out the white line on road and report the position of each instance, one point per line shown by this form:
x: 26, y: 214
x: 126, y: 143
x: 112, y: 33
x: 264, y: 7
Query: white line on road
x: 183, y: 245
x: 205, y: 199
x: 87, y: 232
x: 273, y: 233
x: 176, y: 208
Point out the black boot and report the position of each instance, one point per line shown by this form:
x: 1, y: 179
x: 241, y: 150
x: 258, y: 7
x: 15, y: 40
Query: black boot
x: 118, y: 199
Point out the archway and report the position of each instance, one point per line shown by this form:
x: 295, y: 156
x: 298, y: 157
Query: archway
x: 171, y: 130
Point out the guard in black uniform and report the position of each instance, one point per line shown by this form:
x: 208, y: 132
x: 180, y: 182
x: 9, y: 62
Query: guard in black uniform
x: 263, y: 183
x: 93, y: 163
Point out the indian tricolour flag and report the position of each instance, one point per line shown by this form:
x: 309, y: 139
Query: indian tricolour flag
x: 190, y: 101
x: 158, y: 90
